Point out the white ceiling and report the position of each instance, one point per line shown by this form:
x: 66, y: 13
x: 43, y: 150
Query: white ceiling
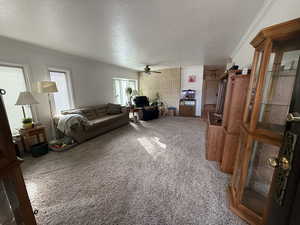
x: 131, y: 33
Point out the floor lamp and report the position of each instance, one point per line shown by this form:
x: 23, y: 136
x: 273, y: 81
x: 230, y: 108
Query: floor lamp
x: 49, y: 87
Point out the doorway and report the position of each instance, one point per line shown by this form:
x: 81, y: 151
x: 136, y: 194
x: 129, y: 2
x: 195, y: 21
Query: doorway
x: 211, y: 77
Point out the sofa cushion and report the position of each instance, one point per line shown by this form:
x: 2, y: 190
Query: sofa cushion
x: 113, y: 109
x: 102, y: 121
x: 101, y: 110
x: 90, y: 114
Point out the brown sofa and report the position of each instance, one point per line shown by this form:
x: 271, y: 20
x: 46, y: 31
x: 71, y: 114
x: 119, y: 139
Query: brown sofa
x: 100, y: 119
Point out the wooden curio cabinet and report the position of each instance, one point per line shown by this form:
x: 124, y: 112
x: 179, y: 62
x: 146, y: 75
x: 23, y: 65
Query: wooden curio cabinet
x: 274, y: 69
x: 232, y: 118
x: 15, y: 207
x: 224, y: 125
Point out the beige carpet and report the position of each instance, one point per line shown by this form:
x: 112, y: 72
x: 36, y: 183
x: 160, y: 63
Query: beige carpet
x: 149, y: 173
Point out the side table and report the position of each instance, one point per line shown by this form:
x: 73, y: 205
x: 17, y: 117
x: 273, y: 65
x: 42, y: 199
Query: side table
x: 135, y: 111
x: 27, y: 134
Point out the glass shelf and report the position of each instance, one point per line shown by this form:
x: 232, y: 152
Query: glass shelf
x: 284, y: 73
x: 272, y: 127
x: 273, y: 117
x: 277, y: 91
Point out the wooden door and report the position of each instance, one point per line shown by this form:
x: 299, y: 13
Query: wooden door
x: 284, y: 198
x: 11, y: 179
x: 6, y: 156
x: 211, y: 92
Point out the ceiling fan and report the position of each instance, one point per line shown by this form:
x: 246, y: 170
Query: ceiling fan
x: 148, y: 70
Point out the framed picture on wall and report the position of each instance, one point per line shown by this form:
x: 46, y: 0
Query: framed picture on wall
x: 192, y: 79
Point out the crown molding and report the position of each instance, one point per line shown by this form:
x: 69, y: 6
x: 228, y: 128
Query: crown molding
x: 261, y: 13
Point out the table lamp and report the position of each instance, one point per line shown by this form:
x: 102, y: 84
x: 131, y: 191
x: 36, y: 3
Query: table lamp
x: 25, y: 98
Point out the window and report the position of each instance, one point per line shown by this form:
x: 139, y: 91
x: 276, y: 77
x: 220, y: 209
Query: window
x: 63, y: 99
x: 12, y: 80
x: 120, y: 86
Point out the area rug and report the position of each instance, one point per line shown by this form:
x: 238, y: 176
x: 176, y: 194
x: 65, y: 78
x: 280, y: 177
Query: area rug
x: 147, y: 173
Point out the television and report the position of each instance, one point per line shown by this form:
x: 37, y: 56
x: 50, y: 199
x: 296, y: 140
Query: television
x: 188, y: 94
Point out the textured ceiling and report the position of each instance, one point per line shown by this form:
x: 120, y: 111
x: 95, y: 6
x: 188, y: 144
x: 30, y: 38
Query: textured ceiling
x: 132, y: 33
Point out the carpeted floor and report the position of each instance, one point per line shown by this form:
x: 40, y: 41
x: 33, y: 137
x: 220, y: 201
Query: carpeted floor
x: 148, y: 173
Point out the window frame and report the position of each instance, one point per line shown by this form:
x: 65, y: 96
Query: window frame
x: 125, y: 79
x: 28, y: 83
x: 69, y: 87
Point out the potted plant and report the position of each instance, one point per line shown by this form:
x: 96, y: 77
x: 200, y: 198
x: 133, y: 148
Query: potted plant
x: 27, y: 123
x: 157, y: 100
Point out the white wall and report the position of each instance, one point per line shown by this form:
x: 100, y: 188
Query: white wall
x: 91, y: 80
x: 198, y: 72
x: 274, y: 12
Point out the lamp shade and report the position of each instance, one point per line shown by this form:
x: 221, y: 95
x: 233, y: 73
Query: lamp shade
x: 26, y: 98
x: 47, y: 87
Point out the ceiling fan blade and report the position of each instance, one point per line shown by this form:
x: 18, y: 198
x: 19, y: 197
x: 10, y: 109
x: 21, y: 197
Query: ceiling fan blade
x: 155, y: 72
x: 143, y: 71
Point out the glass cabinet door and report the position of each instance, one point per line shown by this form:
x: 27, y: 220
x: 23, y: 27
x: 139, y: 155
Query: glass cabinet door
x: 278, y: 88
x: 239, y: 161
x: 259, y: 176
x: 253, y: 83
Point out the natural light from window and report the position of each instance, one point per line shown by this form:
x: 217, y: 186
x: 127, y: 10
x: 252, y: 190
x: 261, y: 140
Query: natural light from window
x: 153, y: 146
x: 62, y: 98
x: 12, y: 80
x: 120, y: 86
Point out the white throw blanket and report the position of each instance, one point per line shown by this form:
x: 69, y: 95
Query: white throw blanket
x: 67, y: 121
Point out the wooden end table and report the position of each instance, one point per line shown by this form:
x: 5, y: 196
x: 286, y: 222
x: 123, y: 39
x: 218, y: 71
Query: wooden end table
x: 133, y: 111
x: 26, y: 134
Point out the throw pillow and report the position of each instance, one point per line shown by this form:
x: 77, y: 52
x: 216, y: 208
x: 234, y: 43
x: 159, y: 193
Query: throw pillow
x: 90, y: 114
x: 101, y: 111
x: 71, y: 111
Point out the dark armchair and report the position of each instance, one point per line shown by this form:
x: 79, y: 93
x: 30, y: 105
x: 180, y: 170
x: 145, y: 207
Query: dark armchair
x: 146, y: 112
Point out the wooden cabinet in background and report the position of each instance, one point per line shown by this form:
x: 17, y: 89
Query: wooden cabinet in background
x: 214, y: 138
x: 235, y: 100
x: 224, y: 125
x: 187, y: 107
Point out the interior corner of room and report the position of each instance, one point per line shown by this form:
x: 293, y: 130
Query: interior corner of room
x: 149, y: 112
